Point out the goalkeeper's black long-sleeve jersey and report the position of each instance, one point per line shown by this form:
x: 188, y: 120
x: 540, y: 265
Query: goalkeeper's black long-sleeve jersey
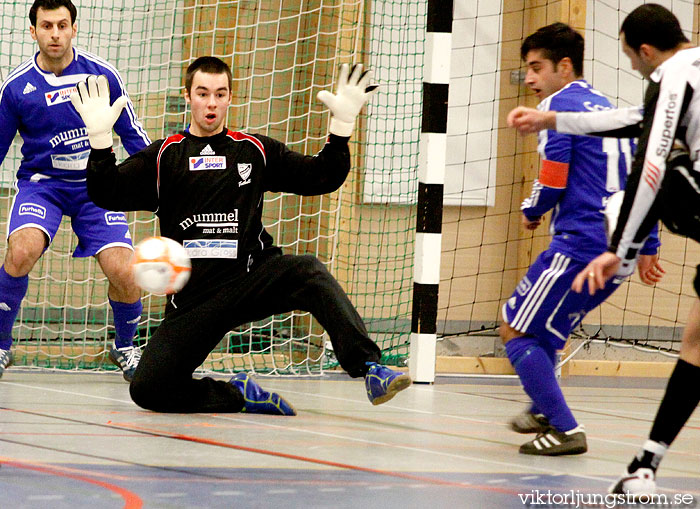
x: 208, y: 194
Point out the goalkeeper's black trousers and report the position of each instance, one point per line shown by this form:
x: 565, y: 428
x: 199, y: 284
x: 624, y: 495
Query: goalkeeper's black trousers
x: 163, y: 381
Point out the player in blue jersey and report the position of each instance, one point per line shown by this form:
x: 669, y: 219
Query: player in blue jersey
x: 35, y: 100
x: 577, y: 177
x: 664, y: 184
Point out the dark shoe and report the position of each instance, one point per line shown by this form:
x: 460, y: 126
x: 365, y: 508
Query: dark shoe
x: 383, y: 383
x: 259, y: 401
x: 6, y: 360
x: 557, y: 443
x: 527, y: 422
x: 126, y: 359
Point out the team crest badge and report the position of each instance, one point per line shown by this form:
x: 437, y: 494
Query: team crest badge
x: 244, y: 170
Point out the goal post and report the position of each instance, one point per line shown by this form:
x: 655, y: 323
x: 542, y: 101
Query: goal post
x: 431, y: 182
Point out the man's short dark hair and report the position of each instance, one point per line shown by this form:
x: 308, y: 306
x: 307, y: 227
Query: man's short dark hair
x: 51, y: 5
x: 654, y: 25
x: 556, y: 41
x: 211, y: 65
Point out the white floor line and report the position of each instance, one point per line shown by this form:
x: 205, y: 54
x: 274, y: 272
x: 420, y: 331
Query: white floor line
x: 63, y: 391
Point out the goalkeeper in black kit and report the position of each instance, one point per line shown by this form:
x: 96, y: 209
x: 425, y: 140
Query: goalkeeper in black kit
x: 206, y: 186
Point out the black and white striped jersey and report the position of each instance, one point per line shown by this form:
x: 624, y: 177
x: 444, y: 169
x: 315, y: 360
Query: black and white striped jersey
x: 671, y: 111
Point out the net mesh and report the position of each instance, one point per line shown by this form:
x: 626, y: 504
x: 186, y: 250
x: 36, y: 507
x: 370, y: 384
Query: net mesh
x: 282, y: 53
x: 485, y: 248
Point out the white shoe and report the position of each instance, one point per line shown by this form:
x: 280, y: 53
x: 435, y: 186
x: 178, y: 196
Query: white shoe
x: 640, y: 482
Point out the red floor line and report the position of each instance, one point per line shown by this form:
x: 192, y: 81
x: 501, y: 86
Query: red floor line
x: 131, y: 500
x: 347, y: 466
x: 188, y: 438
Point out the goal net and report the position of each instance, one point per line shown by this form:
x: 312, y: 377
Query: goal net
x: 281, y: 52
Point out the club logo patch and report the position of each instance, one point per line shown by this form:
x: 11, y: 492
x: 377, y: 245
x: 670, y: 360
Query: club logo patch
x: 244, y: 170
x: 112, y: 218
x: 59, y: 96
x: 32, y: 209
x: 207, y: 163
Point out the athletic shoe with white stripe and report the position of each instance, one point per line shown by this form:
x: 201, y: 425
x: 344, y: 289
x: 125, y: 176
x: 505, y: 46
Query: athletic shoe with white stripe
x: 527, y: 422
x: 640, y: 482
x: 126, y: 359
x: 5, y: 360
x: 557, y: 443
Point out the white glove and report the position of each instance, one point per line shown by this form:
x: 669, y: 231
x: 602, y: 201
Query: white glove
x: 353, y: 92
x: 92, y: 103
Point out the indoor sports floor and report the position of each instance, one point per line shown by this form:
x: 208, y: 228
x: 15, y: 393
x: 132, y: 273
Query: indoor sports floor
x: 76, y: 440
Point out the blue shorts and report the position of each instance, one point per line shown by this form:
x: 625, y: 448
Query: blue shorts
x: 544, y: 305
x: 43, y: 204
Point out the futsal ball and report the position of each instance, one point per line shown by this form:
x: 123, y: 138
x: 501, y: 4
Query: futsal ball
x: 161, y: 265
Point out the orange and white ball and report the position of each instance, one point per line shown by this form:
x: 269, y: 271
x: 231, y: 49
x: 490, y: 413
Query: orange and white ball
x: 161, y: 265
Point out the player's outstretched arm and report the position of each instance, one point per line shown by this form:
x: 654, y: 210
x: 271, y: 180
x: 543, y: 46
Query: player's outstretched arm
x: 92, y: 102
x: 530, y: 120
x: 293, y: 172
x: 353, y: 92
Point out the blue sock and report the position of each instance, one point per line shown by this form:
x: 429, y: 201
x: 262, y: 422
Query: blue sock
x: 536, y: 371
x: 12, y: 291
x: 126, y: 321
x: 552, y: 354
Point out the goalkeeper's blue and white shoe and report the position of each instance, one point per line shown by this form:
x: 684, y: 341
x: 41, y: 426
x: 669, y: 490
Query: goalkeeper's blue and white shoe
x: 5, y: 360
x: 383, y: 383
x: 259, y: 401
x: 126, y: 358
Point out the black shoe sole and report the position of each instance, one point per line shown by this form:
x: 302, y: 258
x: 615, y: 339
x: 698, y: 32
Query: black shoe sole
x: 552, y: 451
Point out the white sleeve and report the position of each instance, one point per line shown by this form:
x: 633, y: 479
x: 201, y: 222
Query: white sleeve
x: 667, y: 115
x: 574, y: 122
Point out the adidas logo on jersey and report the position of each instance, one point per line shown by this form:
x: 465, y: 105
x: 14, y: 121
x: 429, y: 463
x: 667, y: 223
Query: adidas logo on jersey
x: 28, y: 88
x: 5, y: 307
x: 207, y: 151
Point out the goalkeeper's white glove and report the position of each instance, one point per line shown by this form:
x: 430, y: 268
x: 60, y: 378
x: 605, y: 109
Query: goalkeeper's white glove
x: 92, y: 103
x: 353, y: 92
